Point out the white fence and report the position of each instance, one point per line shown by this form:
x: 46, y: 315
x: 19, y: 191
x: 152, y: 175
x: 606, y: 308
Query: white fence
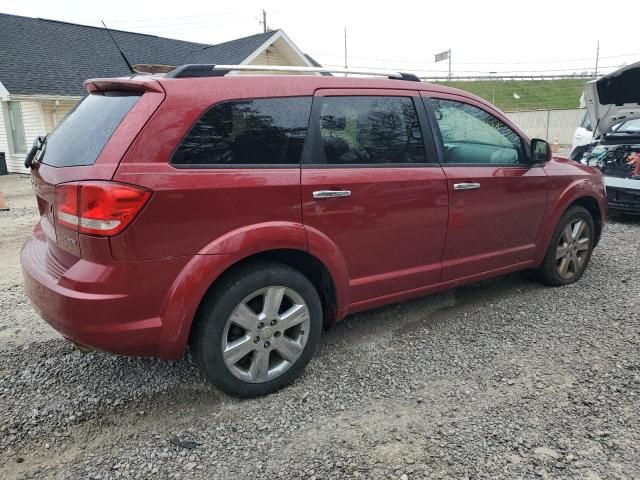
x: 556, y: 126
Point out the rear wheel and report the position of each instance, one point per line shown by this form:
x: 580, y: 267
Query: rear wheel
x: 570, y: 249
x: 258, y: 329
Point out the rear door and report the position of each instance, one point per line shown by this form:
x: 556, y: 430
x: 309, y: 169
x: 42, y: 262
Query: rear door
x: 371, y: 185
x: 497, y: 196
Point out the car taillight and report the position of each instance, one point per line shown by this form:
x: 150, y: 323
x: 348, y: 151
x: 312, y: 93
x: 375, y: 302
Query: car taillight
x: 98, y: 208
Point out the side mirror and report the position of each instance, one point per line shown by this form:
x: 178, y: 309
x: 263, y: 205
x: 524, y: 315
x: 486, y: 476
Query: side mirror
x: 540, y: 151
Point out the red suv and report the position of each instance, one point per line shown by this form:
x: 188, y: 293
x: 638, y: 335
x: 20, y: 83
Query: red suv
x: 241, y: 214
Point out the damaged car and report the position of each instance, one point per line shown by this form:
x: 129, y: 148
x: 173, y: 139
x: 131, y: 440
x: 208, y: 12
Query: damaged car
x: 613, y: 106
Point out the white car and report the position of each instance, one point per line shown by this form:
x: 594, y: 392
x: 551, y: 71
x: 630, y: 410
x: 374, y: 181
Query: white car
x: 613, y: 108
x: 582, y: 137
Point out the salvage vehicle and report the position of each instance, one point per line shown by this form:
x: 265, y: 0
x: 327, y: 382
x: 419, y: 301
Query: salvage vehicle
x: 235, y: 216
x: 582, y: 138
x: 613, y: 105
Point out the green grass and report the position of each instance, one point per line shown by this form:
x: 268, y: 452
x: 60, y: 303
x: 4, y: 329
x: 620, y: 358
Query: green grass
x: 534, y: 94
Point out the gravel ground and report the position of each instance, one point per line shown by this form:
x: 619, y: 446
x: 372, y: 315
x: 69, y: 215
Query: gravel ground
x: 502, y: 379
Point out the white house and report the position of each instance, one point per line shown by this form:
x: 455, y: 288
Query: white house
x: 44, y: 62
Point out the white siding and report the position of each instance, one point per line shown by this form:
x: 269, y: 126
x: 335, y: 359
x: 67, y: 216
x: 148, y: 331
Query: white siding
x: 53, y: 114
x: 15, y: 162
x: 33, y: 122
x: 270, y: 56
x: 39, y: 118
x: 278, y: 53
x: 4, y: 142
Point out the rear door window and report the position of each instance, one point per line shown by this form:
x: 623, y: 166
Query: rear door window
x: 82, y: 135
x: 247, y: 132
x: 370, y: 130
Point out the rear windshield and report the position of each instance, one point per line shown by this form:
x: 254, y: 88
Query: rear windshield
x: 84, y: 132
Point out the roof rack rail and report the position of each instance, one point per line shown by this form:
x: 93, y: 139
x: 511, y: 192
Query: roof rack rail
x: 211, y: 70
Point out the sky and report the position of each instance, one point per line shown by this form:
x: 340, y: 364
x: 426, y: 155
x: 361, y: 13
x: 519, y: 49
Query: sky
x: 490, y: 37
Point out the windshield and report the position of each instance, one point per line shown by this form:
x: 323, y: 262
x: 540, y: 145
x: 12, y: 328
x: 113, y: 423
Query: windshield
x: 85, y: 131
x: 632, y: 126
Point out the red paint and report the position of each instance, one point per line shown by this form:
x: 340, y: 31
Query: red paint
x: 507, y: 209
x: 403, y: 232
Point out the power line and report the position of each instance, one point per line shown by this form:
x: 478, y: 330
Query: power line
x: 194, y: 22
x: 498, y: 73
x: 189, y: 28
x: 487, y: 61
x: 173, y: 17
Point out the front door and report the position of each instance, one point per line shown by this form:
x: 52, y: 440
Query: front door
x: 497, y: 196
x: 371, y: 184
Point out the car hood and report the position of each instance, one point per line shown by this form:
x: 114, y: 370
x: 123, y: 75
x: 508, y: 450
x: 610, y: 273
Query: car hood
x: 613, y: 98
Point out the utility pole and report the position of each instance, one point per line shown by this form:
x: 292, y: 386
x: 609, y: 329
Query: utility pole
x: 264, y: 21
x: 449, y: 64
x: 597, y: 58
x: 345, y: 50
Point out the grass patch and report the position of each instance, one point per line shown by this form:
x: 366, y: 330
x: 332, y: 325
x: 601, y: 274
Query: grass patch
x: 534, y: 94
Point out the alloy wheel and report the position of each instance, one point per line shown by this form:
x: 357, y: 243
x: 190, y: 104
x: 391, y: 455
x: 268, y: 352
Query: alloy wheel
x: 572, y: 250
x: 265, y: 334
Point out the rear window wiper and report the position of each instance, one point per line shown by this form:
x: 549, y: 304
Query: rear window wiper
x: 38, y: 145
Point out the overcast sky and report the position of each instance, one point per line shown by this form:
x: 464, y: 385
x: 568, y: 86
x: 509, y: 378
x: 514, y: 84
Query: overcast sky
x: 544, y: 36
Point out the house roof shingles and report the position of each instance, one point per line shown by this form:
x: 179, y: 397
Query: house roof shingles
x: 48, y: 57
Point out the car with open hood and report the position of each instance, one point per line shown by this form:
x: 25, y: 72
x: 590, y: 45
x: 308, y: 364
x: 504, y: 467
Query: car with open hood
x: 613, y: 107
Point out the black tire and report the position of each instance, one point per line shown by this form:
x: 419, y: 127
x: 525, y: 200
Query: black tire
x: 548, y: 272
x: 216, y: 309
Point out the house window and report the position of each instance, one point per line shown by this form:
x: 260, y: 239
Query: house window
x: 17, y: 128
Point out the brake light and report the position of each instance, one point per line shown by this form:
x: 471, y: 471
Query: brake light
x: 98, y: 208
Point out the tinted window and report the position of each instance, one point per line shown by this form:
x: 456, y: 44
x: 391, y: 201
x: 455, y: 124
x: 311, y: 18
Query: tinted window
x: 82, y: 135
x: 471, y: 135
x: 371, y: 130
x: 269, y: 131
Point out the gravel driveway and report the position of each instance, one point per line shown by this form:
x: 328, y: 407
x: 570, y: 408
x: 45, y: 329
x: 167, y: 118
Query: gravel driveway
x: 503, y: 379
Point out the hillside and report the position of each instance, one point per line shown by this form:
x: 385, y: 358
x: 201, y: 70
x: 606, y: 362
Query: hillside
x: 534, y: 94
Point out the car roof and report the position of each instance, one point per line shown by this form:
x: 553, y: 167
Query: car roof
x: 320, y: 81
x: 265, y: 86
x: 292, y: 85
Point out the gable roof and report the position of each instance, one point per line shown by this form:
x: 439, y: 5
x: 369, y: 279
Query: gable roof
x: 48, y: 57
x: 233, y: 52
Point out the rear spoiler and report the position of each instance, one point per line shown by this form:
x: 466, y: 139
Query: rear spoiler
x: 137, y: 84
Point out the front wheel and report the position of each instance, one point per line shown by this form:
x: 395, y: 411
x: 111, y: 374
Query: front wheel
x: 570, y: 250
x: 257, y: 330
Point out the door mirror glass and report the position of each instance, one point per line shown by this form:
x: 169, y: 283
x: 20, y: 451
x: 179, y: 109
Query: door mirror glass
x: 540, y: 150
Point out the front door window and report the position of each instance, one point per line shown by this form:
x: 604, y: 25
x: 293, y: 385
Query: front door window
x: 474, y: 136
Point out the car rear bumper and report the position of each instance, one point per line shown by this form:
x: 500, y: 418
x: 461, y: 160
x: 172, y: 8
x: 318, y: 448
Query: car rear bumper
x: 113, y: 307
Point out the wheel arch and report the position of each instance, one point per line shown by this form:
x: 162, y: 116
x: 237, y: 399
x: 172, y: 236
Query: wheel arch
x: 583, y: 194
x: 204, y: 272
x: 591, y: 205
x: 304, y: 262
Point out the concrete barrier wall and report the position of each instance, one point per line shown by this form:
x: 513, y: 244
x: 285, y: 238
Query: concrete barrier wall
x: 552, y: 125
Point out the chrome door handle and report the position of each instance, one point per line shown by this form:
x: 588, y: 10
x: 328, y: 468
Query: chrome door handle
x: 466, y: 186
x: 331, y: 193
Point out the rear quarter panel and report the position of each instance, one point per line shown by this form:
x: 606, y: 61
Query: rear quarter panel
x: 191, y: 208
